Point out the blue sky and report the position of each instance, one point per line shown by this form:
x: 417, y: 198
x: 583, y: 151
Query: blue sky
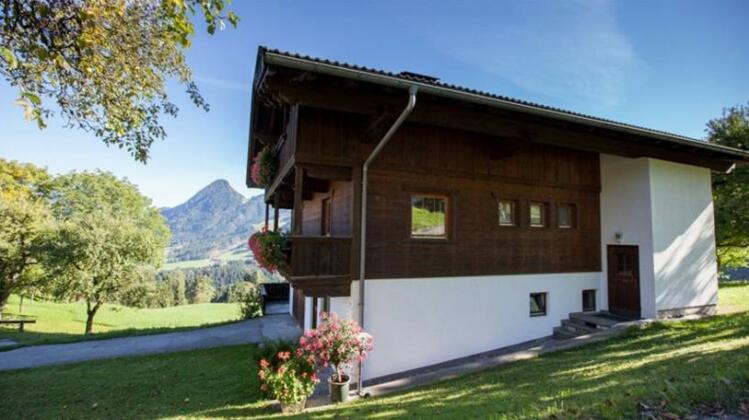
x: 669, y: 65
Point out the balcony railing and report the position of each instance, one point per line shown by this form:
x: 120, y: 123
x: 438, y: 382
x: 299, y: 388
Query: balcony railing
x: 320, y: 265
x: 284, y: 152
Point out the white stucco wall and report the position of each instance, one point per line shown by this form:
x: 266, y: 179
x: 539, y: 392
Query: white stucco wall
x: 664, y: 208
x: 625, y: 207
x: 420, y: 322
x: 685, y: 265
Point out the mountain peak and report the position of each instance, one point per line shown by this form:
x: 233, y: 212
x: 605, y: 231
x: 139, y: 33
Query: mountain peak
x: 220, y: 190
x: 216, y: 218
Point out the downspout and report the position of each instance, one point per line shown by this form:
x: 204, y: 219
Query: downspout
x: 363, y: 219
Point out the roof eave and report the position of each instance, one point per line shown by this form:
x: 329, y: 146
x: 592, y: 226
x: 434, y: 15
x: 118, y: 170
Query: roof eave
x: 392, y: 81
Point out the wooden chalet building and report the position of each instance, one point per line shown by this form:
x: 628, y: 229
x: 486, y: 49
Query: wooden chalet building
x: 488, y: 220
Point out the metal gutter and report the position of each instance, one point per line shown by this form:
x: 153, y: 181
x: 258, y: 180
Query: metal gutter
x: 412, y: 90
x: 392, y: 81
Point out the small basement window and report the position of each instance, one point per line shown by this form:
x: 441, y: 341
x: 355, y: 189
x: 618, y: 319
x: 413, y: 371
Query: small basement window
x: 566, y: 216
x: 589, y: 300
x: 538, y: 304
x: 506, y: 210
x: 537, y: 214
x: 428, y: 216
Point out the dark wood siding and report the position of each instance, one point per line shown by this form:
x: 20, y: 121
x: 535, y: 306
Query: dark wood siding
x: 341, y: 196
x: 474, y: 171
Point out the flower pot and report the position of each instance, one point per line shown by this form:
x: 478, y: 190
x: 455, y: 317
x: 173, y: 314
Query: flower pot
x: 339, y: 390
x: 293, y: 408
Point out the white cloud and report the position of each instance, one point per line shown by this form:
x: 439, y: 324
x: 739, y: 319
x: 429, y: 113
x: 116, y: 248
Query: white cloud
x: 567, y: 50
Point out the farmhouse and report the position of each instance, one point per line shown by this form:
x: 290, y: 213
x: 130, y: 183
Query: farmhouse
x: 450, y: 221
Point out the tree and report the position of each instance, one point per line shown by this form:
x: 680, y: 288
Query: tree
x: 731, y: 190
x: 177, y: 285
x: 108, y: 231
x: 202, y: 290
x: 103, y: 63
x: 238, y: 290
x: 25, y: 223
x: 141, y: 291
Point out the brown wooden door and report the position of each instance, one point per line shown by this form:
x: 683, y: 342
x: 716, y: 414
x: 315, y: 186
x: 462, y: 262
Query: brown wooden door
x: 624, y: 280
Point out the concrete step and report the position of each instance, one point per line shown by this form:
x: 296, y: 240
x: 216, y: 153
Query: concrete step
x: 563, y: 334
x: 593, y: 319
x: 578, y: 327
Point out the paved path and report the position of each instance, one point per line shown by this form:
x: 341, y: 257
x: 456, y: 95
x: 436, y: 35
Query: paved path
x: 256, y: 330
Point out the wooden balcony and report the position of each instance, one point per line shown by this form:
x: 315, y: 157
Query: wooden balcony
x: 320, y: 265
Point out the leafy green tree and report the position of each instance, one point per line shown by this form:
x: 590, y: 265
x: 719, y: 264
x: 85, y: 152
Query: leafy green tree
x: 103, y: 63
x: 177, y: 285
x: 731, y: 190
x: 163, y: 296
x: 108, y: 231
x: 239, y: 290
x: 142, y: 292
x: 202, y: 290
x: 25, y: 223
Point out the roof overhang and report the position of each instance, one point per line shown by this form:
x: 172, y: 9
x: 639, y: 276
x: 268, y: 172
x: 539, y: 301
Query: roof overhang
x: 268, y: 58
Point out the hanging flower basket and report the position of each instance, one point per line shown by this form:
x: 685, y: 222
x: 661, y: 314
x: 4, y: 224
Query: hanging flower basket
x: 264, y: 168
x: 271, y: 250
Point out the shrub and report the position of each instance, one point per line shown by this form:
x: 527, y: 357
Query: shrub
x: 338, y: 342
x: 288, y: 375
x: 251, y: 303
x: 271, y: 249
x: 264, y: 167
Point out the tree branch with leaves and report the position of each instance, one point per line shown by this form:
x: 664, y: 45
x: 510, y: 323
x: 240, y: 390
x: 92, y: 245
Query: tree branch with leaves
x: 104, y: 63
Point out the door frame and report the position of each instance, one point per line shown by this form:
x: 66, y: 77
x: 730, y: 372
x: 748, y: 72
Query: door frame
x: 609, y: 280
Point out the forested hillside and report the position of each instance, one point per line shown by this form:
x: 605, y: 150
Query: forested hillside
x: 214, y: 220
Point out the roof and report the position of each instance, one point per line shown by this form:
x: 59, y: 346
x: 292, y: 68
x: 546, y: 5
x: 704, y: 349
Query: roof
x: 434, y: 86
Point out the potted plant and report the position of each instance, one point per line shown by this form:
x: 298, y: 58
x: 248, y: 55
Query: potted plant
x: 288, y: 377
x: 264, y: 167
x: 271, y: 249
x: 337, y: 342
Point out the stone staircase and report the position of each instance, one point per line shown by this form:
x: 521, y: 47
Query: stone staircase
x: 583, y: 323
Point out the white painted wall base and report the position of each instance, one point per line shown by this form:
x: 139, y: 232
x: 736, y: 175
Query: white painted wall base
x: 420, y: 322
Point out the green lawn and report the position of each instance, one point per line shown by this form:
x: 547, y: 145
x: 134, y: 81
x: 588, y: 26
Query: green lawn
x: 669, y: 368
x: 65, y: 322
x: 734, y: 296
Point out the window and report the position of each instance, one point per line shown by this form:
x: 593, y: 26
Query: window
x: 428, y: 216
x: 506, y: 210
x: 566, y: 216
x: 589, y: 300
x: 538, y: 304
x: 537, y: 214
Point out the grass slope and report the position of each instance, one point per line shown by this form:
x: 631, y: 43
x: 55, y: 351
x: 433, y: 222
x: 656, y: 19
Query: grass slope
x: 670, y: 368
x: 734, y: 296
x: 65, y: 322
